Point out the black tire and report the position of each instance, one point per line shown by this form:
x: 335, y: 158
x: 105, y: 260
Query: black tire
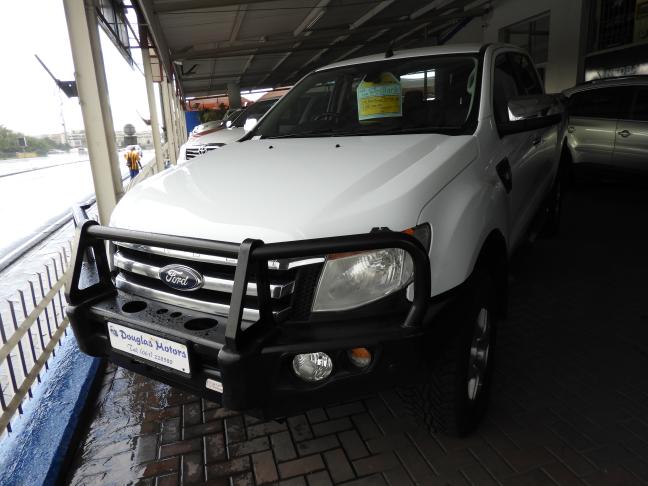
x: 565, y: 179
x: 443, y: 402
x: 553, y: 206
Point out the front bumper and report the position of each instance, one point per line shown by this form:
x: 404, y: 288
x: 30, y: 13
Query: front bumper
x: 253, y: 364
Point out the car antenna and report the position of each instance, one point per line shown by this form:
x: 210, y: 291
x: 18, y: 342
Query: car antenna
x: 390, y: 50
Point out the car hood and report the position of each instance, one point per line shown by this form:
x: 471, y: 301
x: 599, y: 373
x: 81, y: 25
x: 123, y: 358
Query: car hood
x: 288, y: 189
x: 217, y: 135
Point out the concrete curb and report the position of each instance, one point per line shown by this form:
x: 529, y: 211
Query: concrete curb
x: 35, y: 451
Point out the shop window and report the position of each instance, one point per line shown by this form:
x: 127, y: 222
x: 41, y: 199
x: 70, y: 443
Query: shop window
x: 616, y: 25
x: 532, y: 35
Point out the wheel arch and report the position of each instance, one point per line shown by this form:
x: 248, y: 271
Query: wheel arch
x: 567, y: 155
x: 493, y: 257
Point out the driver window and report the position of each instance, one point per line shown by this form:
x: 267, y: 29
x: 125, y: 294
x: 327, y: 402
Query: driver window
x: 312, y: 103
x: 527, y: 78
x: 504, y: 87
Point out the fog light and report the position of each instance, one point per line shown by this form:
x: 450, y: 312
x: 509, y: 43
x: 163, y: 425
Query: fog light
x: 312, y: 366
x: 361, y: 357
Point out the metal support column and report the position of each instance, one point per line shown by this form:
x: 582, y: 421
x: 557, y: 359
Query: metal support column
x: 168, y: 122
x: 150, y: 94
x: 183, y: 122
x: 234, y: 95
x: 176, y: 115
x: 174, y: 111
x: 91, y: 82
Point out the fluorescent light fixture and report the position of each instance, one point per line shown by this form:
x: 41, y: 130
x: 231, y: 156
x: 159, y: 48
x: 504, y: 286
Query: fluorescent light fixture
x: 421, y: 75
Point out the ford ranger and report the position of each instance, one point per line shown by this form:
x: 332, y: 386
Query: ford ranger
x: 356, y: 239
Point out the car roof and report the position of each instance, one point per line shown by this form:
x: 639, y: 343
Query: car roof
x: 403, y: 54
x: 473, y: 48
x: 636, y: 80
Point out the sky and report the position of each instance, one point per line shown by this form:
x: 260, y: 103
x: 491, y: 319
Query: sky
x: 29, y: 99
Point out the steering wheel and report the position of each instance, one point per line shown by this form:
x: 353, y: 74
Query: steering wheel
x: 334, y: 115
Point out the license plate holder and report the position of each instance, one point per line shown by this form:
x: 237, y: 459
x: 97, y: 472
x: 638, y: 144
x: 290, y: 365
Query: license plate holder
x: 149, y: 347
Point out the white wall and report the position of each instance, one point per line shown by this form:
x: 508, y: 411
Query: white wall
x: 564, y: 34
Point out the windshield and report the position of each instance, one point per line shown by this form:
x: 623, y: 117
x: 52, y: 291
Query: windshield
x: 415, y: 95
x: 256, y: 111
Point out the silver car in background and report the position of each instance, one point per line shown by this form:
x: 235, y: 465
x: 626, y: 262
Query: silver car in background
x: 607, y: 126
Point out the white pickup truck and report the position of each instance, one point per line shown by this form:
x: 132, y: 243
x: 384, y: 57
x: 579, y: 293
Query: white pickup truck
x: 356, y: 239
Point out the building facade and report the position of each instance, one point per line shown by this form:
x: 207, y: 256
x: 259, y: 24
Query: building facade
x: 571, y: 41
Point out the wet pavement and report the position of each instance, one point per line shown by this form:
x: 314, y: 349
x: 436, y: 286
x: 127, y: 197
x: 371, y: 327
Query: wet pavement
x: 570, y: 398
x: 59, y: 181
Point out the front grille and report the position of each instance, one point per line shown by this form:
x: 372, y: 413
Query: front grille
x: 139, y: 268
x: 196, y: 150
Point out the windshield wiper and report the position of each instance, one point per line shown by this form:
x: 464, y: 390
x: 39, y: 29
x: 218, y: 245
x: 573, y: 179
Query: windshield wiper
x: 327, y: 133
x: 369, y: 132
x: 412, y: 130
x: 309, y: 133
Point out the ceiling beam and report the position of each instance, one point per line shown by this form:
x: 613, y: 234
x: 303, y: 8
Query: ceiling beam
x: 238, y: 21
x: 433, y: 5
x: 232, y: 75
x: 279, y: 63
x: 279, y: 50
x: 187, y: 5
x: 155, y: 30
x: 246, y: 67
x: 358, y: 23
x: 439, y: 21
x: 360, y: 46
x: 370, y: 14
x: 251, y: 47
x: 311, y: 18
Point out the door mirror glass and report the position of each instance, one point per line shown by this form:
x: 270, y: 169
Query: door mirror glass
x: 250, y: 123
x: 531, y: 112
x: 532, y: 106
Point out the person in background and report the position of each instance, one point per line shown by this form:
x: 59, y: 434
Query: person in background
x: 133, y: 162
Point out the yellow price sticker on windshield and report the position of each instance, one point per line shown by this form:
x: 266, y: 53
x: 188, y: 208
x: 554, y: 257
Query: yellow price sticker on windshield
x: 381, y: 99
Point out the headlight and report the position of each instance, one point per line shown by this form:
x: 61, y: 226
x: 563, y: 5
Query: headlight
x: 352, y: 280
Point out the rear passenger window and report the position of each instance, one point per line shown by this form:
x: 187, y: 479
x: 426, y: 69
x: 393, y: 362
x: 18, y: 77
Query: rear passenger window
x: 639, y: 108
x: 600, y: 103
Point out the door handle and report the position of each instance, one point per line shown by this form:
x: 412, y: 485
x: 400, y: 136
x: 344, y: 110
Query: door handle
x: 624, y: 133
x: 570, y: 129
x: 536, y: 140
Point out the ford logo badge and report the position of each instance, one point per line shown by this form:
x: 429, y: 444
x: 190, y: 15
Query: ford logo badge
x: 180, y: 277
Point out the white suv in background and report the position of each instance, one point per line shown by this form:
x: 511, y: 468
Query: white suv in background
x: 213, y: 135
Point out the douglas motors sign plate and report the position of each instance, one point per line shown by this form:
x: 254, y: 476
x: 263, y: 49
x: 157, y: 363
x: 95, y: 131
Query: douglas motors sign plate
x: 149, y: 347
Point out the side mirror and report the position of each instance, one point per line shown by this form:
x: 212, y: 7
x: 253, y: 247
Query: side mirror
x: 525, y: 107
x: 249, y: 124
x: 228, y: 123
x: 531, y: 112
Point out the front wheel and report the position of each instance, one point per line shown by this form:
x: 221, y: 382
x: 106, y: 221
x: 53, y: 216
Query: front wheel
x: 455, y: 397
x: 553, y: 206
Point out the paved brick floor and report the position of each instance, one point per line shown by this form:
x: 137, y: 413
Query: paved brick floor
x: 570, y: 404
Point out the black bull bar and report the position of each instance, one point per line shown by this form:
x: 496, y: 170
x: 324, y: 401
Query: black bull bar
x: 91, y: 269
